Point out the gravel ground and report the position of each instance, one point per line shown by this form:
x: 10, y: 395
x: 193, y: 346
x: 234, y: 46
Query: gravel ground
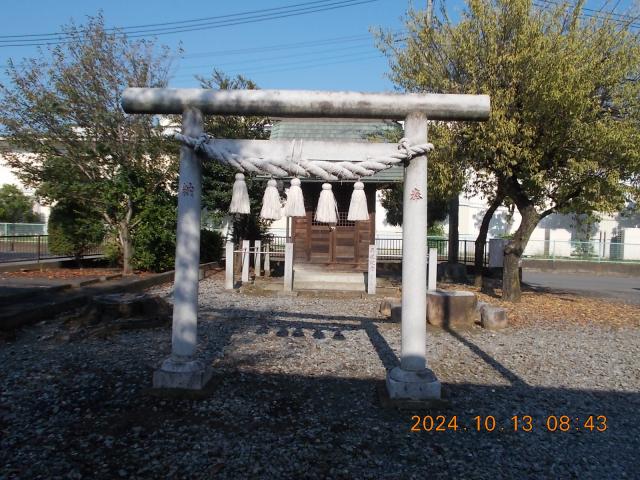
x: 295, y: 396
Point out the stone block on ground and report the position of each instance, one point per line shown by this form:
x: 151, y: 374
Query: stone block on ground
x: 451, y: 308
x: 396, y: 312
x: 493, y: 318
x: 452, y: 272
x: 386, y: 305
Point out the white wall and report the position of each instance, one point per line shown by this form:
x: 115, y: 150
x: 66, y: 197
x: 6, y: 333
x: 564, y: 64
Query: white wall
x: 8, y: 177
x: 384, y: 229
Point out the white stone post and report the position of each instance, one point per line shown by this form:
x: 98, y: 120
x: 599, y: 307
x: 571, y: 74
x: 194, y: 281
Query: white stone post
x: 372, y: 271
x: 181, y: 370
x: 433, y: 269
x: 257, y: 257
x: 288, y: 267
x: 245, y: 260
x: 412, y: 380
x: 267, y: 261
x: 228, y: 266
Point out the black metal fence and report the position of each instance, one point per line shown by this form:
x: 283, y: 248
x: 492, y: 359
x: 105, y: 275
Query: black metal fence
x: 390, y: 249
x: 276, y: 245
x: 34, y: 248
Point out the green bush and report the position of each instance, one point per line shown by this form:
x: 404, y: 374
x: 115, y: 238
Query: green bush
x: 211, y: 246
x: 154, y: 237
x: 74, y: 229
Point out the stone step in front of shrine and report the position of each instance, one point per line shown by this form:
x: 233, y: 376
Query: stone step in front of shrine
x: 308, y: 277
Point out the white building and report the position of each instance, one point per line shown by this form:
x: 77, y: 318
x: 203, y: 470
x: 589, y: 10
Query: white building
x: 8, y: 177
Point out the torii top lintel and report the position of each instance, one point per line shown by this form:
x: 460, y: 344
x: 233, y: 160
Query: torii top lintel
x: 307, y: 103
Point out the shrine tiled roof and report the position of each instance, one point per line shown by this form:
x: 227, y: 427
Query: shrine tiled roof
x: 353, y: 130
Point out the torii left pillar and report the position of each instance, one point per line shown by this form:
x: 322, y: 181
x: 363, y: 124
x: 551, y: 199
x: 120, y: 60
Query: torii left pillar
x: 182, y: 370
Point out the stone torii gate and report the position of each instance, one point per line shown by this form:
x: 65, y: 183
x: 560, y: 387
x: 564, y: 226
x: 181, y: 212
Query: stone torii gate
x: 412, y: 379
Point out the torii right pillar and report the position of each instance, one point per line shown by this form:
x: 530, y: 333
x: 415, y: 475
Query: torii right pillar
x: 413, y: 379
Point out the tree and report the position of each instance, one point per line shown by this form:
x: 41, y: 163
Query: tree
x: 392, y: 202
x: 15, y: 206
x: 66, y: 112
x: 217, y: 179
x: 445, y: 179
x: 73, y: 228
x: 563, y: 135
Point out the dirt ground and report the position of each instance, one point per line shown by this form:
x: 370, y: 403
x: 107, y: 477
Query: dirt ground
x: 66, y: 273
x: 539, y: 306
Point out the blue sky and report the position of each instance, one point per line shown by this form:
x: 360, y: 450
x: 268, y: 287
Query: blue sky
x: 349, y: 61
x: 329, y: 50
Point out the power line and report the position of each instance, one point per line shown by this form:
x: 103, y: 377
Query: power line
x: 621, y: 20
x: 41, y: 36
x: 310, y: 44
x: 280, y: 46
x: 268, y: 58
x: 330, y: 56
x: 291, y: 12
x: 294, y: 66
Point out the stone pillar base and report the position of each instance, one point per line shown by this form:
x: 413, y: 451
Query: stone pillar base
x: 186, y: 375
x: 406, y: 384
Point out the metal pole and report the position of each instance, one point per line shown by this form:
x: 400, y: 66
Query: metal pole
x: 412, y: 379
x: 181, y: 370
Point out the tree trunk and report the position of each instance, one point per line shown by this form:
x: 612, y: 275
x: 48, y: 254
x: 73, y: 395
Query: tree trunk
x: 124, y: 234
x: 481, y: 240
x: 513, y: 253
x: 454, y: 205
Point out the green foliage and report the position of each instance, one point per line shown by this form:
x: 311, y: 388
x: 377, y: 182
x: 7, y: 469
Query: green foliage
x: 563, y: 130
x: 211, y: 246
x: 565, y: 104
x: 74, y: 228
x: 436, y: 238
x: 436, y: 230
x: 154, y: 236
x: 217, y: 181
x: 445, y: 178
x: 391, y: 200
x: 64, y: 107
x: 15, y: 206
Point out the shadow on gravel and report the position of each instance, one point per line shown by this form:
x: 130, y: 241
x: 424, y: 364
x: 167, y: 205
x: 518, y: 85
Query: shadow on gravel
x: 286, y: 426
x: 331, y: 326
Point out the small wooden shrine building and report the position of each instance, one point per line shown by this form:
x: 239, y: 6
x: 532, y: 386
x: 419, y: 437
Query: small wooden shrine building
x: 345, y: 245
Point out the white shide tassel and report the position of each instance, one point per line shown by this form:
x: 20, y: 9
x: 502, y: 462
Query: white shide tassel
x: 358, y: 206
x: 327, y: 210
x: 240, y: 196
x: 295, y: 202
x: 271, y: 206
